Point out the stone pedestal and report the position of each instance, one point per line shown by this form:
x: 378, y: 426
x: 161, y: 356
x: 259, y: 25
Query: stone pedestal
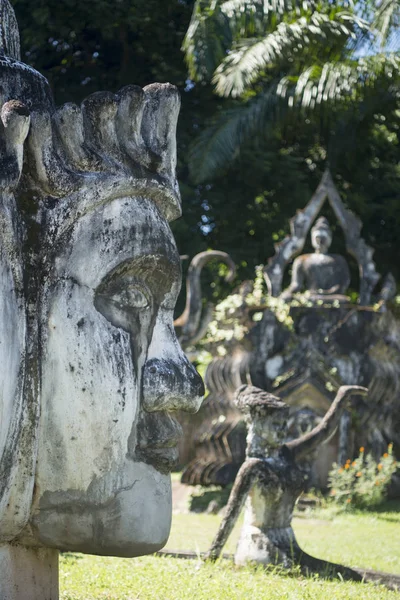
x: 270, y: 547
x: 28, y: 573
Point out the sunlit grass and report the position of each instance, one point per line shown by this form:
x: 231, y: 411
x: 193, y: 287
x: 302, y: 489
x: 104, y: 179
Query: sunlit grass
x: 370, y: 540
x: 163, y: 578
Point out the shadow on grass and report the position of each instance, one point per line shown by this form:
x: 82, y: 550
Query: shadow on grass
x: 389, y: 506
x: 200, y: 500
x: 72, y: 556
x: 381, y: 511
x: 327, y: 509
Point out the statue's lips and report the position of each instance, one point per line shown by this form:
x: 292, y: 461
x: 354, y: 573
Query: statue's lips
x: 162, y: 457
x: 158, y: 440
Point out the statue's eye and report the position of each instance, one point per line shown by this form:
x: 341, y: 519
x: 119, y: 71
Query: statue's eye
x: 130, y: 296
x: 124, y: 301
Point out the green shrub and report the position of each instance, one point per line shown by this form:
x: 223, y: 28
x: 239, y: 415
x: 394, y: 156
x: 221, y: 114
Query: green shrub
x: 362, y: 482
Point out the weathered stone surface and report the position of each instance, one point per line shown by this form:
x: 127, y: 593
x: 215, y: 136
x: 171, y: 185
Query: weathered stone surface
x: 28, y: 573
x: 92, y: 371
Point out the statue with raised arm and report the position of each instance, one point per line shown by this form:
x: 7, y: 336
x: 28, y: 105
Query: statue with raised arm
x: 270, y: 482
x: 322, y: 274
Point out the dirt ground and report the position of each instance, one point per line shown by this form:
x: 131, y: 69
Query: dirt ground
x: 180, y: 497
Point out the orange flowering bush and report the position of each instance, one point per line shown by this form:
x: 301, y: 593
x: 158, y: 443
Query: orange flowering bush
x: 363, y: 481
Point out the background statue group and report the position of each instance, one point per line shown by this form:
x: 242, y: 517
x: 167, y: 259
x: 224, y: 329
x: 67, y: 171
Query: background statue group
x: 323, y: 341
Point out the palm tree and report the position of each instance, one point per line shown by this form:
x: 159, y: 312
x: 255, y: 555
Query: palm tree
x: 329, y: 63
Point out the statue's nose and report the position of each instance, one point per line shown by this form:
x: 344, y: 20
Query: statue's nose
x: 172, y: 384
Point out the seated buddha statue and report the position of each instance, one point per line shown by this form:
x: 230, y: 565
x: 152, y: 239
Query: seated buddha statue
x: 325, y: 276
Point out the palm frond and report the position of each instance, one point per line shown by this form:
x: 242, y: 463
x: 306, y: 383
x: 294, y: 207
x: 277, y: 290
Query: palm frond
x: 263, y: 9
x: 219, y: 144
x: 215, y: 24
x: 244, y: 64
x: 278, y: 6
x: 329, y: 74
x: 387, y: 19
x: 340, y: 83
x: 248, y: 17
x: 207, y: 39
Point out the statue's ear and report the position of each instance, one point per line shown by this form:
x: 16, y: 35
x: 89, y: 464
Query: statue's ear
x: 18, y: 397
x: 14, y: 127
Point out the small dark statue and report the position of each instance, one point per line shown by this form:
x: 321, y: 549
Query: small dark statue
x: 271, y: 481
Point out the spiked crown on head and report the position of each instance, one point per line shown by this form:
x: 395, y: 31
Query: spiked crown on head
x: 125, y: 141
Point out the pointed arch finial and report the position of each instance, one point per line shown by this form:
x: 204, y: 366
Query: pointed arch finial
x: 9, y: 32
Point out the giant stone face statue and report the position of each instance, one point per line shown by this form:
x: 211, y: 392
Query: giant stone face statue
x: 91, y: 370
x: 112, y: 371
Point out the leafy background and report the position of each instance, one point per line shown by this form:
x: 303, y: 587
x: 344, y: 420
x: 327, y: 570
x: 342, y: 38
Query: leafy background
x: 243, y: 206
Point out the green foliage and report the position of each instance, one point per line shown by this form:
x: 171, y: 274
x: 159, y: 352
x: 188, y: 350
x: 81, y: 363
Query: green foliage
x: 83, y: 47
x: 218, y: 144
x: 387, y: 18
x: 233, y: 27
x: 251, y: 59
x: 291, y: 60
x: 206, y: 40
x: 362, y: 482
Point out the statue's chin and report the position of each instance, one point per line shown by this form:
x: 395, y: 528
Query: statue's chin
x: 129, y: 520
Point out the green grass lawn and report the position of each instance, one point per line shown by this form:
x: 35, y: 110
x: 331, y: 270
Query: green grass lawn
x: 370, y: 540
x: 162, y: 578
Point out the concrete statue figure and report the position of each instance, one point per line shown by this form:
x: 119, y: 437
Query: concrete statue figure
x: 321, y: 274
x: 91, y: 370
x: 269, y: 483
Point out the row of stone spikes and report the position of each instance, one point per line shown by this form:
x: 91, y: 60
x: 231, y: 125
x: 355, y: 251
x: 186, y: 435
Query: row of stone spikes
x: 126, y: 135
x: 134, y: 127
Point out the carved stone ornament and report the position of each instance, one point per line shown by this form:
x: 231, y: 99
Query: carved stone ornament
x: 300, y: 225
x: 193, y: 322
x: 90, y: 365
